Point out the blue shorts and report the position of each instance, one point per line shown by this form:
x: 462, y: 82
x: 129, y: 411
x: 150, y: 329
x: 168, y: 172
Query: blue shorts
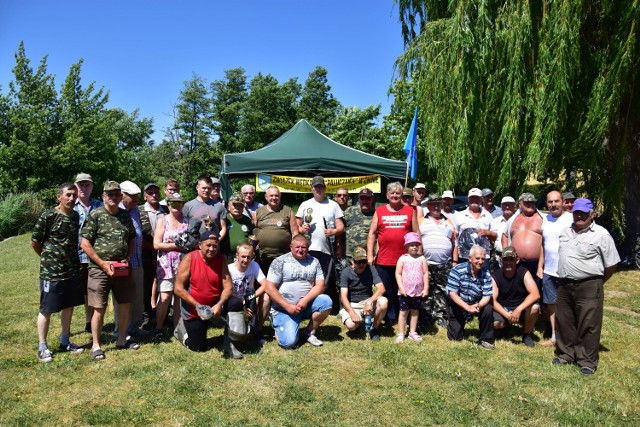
x: 409, y: 303
x: 287, y: 325
x: 549, y: 289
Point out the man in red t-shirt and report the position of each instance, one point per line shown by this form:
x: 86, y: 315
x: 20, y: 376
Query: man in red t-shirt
x: 204, y: 285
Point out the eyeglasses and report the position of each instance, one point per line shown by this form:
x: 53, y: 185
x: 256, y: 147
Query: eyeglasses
x: 176, y: 204
x: 361, y: 262
x: 342, y: 195
x: 249, y: 192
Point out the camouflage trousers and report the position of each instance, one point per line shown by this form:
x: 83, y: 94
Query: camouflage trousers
x: 435, y: 306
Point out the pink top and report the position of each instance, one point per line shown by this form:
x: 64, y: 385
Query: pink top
x: 168, y: 261
x: 412, y: 275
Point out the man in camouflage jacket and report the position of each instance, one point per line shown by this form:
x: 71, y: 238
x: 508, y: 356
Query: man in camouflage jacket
x: 55, y: 239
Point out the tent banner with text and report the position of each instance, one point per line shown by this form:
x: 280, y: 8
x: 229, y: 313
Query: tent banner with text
x: 293, y: 184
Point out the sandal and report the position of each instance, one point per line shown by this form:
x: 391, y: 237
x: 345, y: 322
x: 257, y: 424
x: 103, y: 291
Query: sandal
x: 98, y: 354
x: 128, y: 345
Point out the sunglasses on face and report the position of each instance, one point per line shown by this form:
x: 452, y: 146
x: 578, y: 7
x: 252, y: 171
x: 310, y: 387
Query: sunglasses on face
x: 361, y: 262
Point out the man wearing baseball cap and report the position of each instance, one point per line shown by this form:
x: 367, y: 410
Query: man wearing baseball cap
x: 447, y: 206
x: 476, y: 221
x: 508, y: 208
x: 357, y: 220
x: 108, y: 239
x: 419, y: 194
x: 203, y: 284
x: 487, y: 203
x: 357, y: 297
x: 587, y: 259
x: 515, y: 295
x: 567, y: 201
x: 149, y: 214
x: 84, y: 205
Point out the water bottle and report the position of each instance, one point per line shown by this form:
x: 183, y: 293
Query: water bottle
x: 368, y: 323
x: 330, y: 225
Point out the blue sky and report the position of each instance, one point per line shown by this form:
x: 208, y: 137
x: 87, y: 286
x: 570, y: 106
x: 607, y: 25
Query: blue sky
x: 143, y: 51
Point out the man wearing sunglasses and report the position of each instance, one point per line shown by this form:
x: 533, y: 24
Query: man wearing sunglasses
x: 357, y: 297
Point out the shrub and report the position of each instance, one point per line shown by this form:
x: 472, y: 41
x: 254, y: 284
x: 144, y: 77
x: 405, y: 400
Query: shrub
x: 18, y: 213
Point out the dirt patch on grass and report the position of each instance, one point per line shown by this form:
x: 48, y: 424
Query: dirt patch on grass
x: 616, y: 294
x: 621, y: 310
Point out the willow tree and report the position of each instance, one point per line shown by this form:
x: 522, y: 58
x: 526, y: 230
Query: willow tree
x: 513, y: 89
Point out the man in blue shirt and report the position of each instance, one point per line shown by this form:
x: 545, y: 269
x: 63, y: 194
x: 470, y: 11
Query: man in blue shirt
x: 84, y: 205
x: 469, y: 293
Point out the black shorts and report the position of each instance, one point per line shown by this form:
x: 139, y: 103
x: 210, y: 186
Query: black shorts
x: 409, y: 303
x: 497, y: 317
x: 56, y: 295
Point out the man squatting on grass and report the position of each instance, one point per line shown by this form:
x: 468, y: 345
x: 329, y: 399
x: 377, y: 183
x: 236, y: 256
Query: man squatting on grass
x: 55, y: 240
x: 295, y: 285
x: 469, y: 293
x: 357, y: 296
x: 204, y: 285
x: 515, y: 295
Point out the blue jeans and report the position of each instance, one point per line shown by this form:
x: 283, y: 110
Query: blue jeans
x: 287, y: 325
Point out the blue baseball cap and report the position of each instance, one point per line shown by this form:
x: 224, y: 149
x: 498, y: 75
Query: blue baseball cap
x: 582, y: 205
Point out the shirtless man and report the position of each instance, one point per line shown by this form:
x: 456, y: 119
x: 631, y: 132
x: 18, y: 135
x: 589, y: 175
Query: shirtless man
x: 524, y: 232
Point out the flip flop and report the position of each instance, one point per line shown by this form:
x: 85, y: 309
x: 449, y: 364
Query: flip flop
x: 129, y: 345
x: 98, y: 354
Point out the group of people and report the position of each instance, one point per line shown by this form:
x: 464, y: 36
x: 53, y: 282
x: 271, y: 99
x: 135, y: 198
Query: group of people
x: 414, y: 260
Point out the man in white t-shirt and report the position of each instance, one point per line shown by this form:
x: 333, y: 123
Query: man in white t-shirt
x: 552, y: 225
x: 320, y: 218
x: 499, y: 223
x: 317, y: 217
x: 473, y: 227
x: 295, y: 283
x: 245, y: 274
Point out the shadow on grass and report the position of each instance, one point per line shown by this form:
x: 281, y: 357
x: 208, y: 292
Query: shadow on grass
x: 330, y: 333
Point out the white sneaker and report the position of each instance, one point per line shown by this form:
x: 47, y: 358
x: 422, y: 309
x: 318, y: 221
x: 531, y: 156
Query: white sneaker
x: 313, y: 340
x: 487, y: 345
x: 45, y: 356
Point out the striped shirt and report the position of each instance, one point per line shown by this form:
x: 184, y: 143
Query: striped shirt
x: 470, y: 289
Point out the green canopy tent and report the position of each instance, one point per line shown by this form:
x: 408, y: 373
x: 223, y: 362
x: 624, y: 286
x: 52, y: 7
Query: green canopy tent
x: 306, y: 151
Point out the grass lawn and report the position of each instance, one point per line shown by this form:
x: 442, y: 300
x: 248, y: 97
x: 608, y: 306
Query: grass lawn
x: 347, y: 382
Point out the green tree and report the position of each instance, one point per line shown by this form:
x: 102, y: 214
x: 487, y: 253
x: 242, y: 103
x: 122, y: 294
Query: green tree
x: 46, y: 137
x: 317, y: 104
x: 194, y: 121
x: 229, y: 97
x: 188, y: 149
x: 32, y: 126
x: 510, y: 90
x: 269, y: 112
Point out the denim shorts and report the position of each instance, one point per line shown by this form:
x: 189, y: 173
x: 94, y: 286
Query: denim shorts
x: 550, y: 289
x: 287, y: 325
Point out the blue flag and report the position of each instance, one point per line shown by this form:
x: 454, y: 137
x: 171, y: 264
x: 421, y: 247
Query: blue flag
x: 410, y: 147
